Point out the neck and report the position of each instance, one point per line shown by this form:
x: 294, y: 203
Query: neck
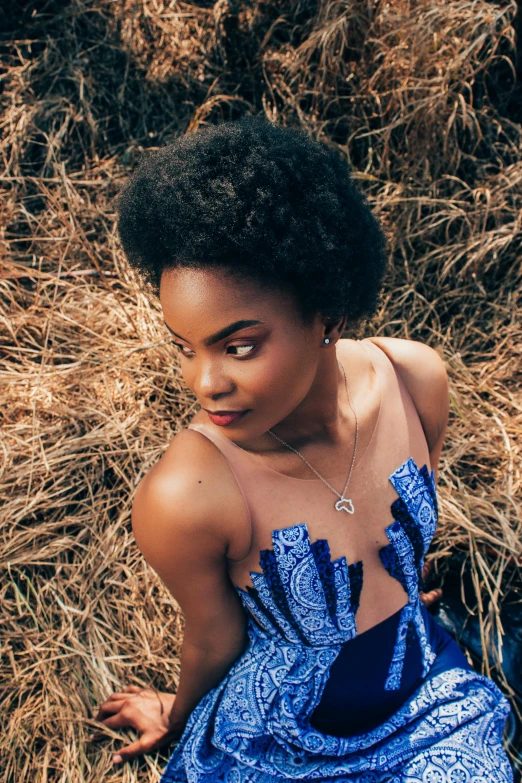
x: 322, y: 415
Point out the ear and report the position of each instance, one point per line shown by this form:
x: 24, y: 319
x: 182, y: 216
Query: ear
x: 333, y: 330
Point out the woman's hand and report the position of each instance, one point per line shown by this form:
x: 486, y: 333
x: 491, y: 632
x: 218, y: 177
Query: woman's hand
x: 432, y: 597
x: 144, y: 710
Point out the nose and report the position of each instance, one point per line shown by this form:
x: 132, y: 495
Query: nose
x: 211, y: 382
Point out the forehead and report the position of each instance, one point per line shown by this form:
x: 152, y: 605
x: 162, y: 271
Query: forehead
x: 199, y: 300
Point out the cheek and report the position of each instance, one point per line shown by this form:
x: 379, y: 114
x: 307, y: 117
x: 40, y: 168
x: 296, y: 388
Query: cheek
x: 187, y: 373
x: 282, y: 374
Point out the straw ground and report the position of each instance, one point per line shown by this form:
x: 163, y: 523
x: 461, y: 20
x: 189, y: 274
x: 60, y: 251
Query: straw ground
x: 423, y: 99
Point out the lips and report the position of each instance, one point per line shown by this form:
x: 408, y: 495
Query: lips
x: 224, y: 418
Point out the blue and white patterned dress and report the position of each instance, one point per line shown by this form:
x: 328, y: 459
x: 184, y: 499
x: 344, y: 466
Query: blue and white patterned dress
x: 254, y: 726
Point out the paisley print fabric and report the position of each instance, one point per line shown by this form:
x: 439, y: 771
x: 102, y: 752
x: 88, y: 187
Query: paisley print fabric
x: 254, y: 726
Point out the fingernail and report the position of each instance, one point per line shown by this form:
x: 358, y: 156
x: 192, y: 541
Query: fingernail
x: 117, y: 759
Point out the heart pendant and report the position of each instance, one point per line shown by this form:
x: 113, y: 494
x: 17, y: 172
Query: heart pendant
x: 345, y: 504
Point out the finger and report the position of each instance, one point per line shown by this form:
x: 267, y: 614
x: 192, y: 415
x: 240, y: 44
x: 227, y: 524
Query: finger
x: 124, y: 694
x: 431, y: 597
x: 107, y: 709
x: 132, y: 689
x: 427, y: 568
x: 130, y: 752
x: 110, y: 707
x: 149, y: 741
x: 97, y: 736
x: 121, y: 695
x: 119, y: 721
x: 425, y: 598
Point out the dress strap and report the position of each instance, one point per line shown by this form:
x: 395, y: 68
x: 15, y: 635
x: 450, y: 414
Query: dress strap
x: 234, y: 455
x: 399, y: 402
x: 229, y: 451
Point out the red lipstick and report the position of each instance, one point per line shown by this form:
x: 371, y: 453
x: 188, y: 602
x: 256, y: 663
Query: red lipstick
x: 223, y: 418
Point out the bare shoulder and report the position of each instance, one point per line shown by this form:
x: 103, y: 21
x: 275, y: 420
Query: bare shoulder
x: 190, y: 492
x: 424, y: 374
x: 181, y: 517
x: 415, y: 361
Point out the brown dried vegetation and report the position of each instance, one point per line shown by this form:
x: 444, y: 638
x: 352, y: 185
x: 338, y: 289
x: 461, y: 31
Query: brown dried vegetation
x: 422, y: 97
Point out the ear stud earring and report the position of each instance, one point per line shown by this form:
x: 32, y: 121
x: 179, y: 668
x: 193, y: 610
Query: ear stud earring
x: 326, y: 340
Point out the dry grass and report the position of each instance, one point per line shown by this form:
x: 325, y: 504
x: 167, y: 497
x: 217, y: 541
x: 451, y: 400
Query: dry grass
x: 422, y: 98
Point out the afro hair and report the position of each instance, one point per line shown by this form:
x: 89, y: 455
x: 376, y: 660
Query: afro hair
x: 265, y: 201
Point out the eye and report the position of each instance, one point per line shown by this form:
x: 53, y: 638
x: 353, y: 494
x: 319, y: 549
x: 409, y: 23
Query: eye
x: 243, y: 350
x: 183, y: 350
x: 240, y: 350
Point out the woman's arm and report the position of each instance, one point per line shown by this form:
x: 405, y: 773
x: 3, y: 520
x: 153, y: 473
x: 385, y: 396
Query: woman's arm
x: 178, y: 526
x: 183, y: 514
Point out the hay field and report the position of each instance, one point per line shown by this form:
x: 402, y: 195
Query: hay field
x: 424, y: 98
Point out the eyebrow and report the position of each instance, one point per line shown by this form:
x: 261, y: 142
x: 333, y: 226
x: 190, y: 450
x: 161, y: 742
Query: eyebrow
x: 225, y: 332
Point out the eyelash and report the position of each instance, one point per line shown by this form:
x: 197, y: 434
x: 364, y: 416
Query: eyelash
x: 180, y: 347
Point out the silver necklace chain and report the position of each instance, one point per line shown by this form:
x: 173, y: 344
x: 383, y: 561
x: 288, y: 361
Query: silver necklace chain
x: 343, y: 504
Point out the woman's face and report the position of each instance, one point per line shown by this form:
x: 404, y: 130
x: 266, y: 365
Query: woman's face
x: 244, y: 349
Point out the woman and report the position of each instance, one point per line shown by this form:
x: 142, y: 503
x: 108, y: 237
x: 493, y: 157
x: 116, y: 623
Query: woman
x: 291, y: 518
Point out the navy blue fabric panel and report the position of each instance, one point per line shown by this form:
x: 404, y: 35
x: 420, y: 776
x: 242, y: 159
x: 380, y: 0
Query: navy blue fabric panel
x: 354, y: 699
x: 268, y: 562
x: 449, y: 654
x: 355, y: 574
x: 321, y: 552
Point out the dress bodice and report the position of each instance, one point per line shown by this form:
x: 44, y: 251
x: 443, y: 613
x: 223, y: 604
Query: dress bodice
x: 301, y: 595
x: 305, y: 598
